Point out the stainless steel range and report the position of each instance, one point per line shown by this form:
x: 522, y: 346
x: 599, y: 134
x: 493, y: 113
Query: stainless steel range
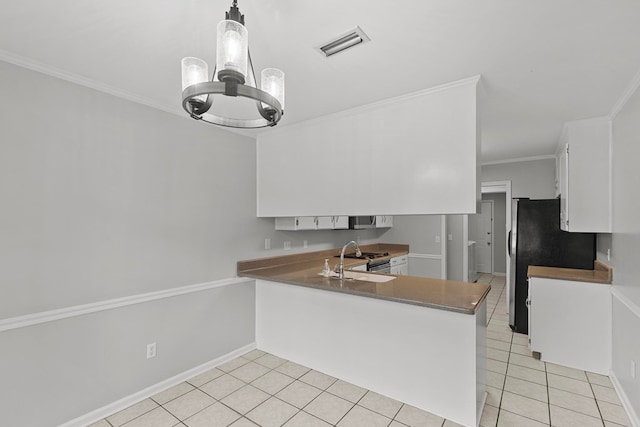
x: 374, y: 264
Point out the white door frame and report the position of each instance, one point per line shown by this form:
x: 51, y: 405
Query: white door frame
x: 443, y: 247
x: 502, y: 187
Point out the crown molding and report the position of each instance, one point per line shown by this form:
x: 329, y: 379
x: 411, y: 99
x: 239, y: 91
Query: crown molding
x: 474, y: 80
x: 49, y: 70
x: 629, y: 91
x: 520, y: 159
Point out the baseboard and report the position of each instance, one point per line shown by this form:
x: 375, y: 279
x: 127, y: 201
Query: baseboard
x: 481, y: 408
x: 424, y: 256
x: 134, y: 398
x: 499, y: 274
x: 626, y: 404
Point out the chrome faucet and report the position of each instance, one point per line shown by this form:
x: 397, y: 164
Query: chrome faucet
x: 358, y: 254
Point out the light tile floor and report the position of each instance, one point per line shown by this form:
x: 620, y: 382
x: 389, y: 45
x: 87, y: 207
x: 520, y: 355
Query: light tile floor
x: 264, y: 390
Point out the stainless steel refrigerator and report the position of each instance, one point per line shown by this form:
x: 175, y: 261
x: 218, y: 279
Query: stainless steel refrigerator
x: 536, y: 239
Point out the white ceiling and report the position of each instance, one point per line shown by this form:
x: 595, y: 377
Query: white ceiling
x: 542, y: 62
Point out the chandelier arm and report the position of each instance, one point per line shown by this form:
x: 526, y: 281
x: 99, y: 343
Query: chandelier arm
x: 253, y: 73
x: 219, y: 88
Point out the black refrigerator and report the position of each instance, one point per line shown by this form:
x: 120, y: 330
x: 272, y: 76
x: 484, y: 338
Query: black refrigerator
x: 536, y: 239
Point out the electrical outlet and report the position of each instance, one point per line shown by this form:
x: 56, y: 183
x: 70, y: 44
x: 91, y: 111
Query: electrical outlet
x: 287, y: 245
x: 450, y: 236
x: 151, y: 350
x: 305, y: 244
x: 633, y: 369
x: 608, y: 254
x: 267, y: 243
x: 437, y: 239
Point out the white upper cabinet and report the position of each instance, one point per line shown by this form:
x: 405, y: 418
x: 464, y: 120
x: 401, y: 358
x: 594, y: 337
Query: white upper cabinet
x: 416, y: 154
x: 297, y: 223
x: 584, y: 176
x: 384, y: 221
x: 325, y: 222
x: 340, y: 222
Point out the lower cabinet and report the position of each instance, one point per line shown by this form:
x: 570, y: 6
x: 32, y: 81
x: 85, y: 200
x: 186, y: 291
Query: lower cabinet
x: 570, y: 323
x: 400, y: 265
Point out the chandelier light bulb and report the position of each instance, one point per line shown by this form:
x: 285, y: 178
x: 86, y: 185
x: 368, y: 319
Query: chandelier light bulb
x: 232, y: 48
x: 272, y: 82
x: 194, y: 70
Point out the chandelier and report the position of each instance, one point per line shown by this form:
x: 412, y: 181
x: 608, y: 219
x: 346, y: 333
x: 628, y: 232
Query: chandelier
x: 233, y: 76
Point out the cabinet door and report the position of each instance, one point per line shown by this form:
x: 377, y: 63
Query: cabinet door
x: 306, y: 223
x: 325, y: 222
x: 400, y: 270
x: 384, y: 221
x: 399, y: 265
x: 570, y: 323
x: 340, y: 222
x: 563, y: 185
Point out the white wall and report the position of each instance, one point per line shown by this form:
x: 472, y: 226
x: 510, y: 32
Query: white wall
x: 101, y: 199
x: 625, y: 247
x: 455, y: 247
x: 534, y: 178
x: 419, y: 232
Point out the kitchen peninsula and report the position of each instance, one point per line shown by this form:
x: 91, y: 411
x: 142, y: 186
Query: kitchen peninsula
x: 414, y: 339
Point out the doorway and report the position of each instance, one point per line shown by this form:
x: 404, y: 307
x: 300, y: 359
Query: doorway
x: 484, y: 237
x: 503, y: 187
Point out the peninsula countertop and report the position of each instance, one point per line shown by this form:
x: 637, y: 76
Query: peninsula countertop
x: 304, y: 270
x: 601, y: 273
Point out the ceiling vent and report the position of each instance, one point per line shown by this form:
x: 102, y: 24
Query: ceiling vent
x: 343, y: 42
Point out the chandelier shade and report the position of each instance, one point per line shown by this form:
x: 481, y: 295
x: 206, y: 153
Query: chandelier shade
x: 231, y: 52
x: 232, y: 77
x: 194, y: 70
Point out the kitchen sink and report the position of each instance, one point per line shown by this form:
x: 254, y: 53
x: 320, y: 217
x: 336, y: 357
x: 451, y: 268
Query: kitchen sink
x: 378, y: 278
x: 358, y: 275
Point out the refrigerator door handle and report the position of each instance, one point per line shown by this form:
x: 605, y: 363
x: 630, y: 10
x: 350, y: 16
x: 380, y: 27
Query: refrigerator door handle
x: 509, y: 243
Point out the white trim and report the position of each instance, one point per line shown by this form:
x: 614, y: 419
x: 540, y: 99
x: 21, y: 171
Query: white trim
x: 443, y: 247
x: 465, y: 248
x: 628, y: 93
x: 134, y: 398
x: 425, y: 256
x: 520, y: 159
x: 40, y: 67
x: 78, y: 310
x: 624, y: 399
x: 626, y: 403
x: 633, y: 307
x: 499, y: 274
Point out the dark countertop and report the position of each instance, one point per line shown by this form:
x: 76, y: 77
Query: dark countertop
x: 602, y: 273
x: 304, y: 269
